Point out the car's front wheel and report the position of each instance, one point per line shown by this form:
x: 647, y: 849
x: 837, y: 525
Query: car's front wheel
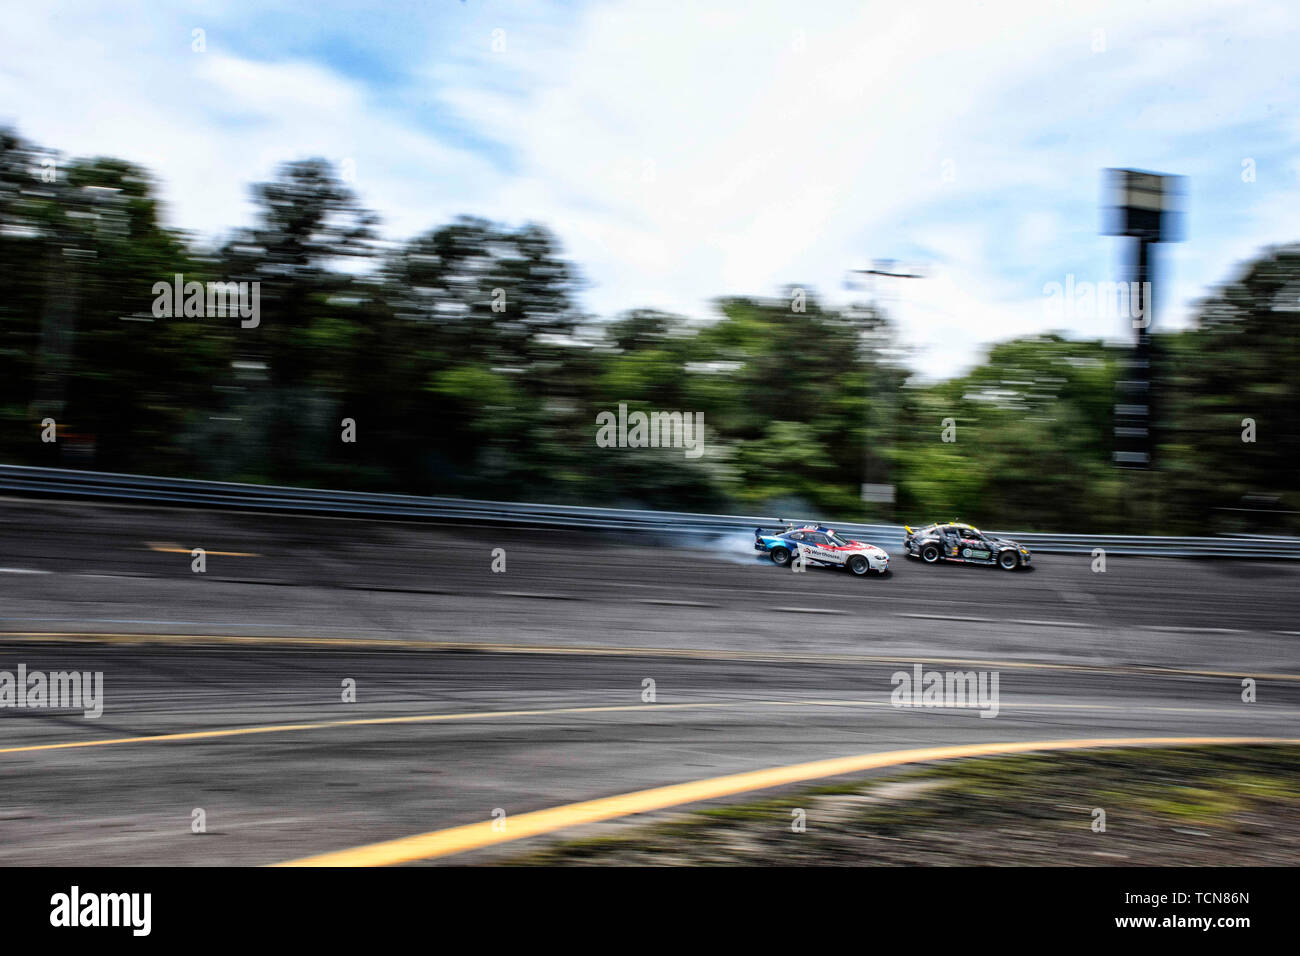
x: 1009, y: 560
x: 780, y: 556
x: 859, y: 565
x: 930, y: 554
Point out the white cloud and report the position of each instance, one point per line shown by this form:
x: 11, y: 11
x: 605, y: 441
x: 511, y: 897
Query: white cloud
x: 774, y: 165
x: 684, y: 151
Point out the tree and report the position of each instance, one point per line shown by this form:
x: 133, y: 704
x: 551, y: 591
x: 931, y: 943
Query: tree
x: 1022, y: 441
x: 506, y: 384
x: 1231, y: 379
x: 308, y: 222
x: 772, y: 367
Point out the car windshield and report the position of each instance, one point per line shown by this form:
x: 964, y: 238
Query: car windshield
x: 836, y: 539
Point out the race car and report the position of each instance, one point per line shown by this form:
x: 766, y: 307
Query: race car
x: 816, y: 544
x: 964, y: 544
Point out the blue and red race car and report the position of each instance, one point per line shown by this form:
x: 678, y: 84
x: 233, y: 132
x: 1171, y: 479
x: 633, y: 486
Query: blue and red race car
x: 816, y: 544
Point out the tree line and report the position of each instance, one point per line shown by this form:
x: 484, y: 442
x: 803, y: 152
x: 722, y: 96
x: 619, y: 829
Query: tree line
x: 466, y: 366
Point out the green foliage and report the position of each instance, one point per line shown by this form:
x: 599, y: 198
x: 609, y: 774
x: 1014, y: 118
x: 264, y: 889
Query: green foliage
x: 1032, y: 449
x: 468, y: 368
x: 1239, y: 363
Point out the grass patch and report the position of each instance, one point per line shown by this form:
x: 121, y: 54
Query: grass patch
x: 1220, y: 806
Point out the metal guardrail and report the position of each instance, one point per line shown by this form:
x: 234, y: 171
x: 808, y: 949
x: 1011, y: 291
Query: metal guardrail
x: 71, y: 483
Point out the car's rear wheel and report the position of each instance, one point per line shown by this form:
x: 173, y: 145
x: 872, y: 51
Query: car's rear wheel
x: 859, y: 565
x: 780, y: 557
x: 1009, y: 560
x: 930, y: 554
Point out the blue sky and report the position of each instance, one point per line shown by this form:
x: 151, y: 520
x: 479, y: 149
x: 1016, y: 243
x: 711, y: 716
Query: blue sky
x: 684, y: 151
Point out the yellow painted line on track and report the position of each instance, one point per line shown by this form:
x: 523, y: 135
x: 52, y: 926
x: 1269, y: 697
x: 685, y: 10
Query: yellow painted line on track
x: 176, y: 549
x: 717, y: 654
x: 435, y: 718
x: 601, y: 709
x: 366, y: 722
x: 570, y: 711
x: 475, y: 836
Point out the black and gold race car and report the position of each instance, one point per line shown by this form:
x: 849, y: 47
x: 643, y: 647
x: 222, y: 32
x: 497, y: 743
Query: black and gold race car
x: 962, y: 543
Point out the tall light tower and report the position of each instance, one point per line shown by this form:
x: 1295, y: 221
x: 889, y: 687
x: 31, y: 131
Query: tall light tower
x: 1146, y: 207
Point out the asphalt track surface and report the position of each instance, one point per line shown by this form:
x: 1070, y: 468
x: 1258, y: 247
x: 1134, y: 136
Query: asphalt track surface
x: 520, y: 691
